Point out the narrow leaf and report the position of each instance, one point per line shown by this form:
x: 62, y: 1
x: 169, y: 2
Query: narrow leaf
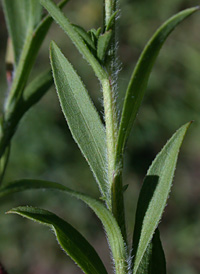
x: 65, y: 24
x: 81, y: 115
x: 27, y: 58
x: 35, y: 14
x: 139, y: 79
x: 154, y: 194
x: 112, y: 20
x: 32, y: 94
x: 153, y: 261
x: 145, y: 263
x: 94, y: 34
x: 3, y: 163
x: 36, y: 89
x: 103, y: 44
x: 85, y: 36
x: 71, y: 241
x: 158, y: 262
x: 111, y: 227
x: 27, y: 14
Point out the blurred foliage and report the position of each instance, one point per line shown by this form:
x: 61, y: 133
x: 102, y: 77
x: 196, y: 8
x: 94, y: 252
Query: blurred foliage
x: 43, y: 147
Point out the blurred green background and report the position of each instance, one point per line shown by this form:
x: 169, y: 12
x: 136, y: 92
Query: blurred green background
x: 43, y: 147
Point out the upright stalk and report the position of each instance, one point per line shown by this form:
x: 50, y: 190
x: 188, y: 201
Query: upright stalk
x: 109, y: 98
x: 111, y: 126
x: 109, y: 9
x: 109, y: 90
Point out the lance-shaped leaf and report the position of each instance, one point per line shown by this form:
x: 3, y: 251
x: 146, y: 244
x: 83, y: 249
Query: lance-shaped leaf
x: 111, y: 227
x: 85, y: 36
x: 157, y: 262
x: 37, y: 88
x: 32, y: 94
x: 70, y: 240
x: 139, y: 79
x: 154, y: 194
x: 65, y: 24
x: 21, y: 18
x: 112, y: 20
x: 81, y: 115
x: 103, y: 44
x: 3, y: 163
x: 27, y: 58
x: 153, y: 261
x: 94, y: 34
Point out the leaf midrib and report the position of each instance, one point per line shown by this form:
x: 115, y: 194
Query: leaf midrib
x: 103, y: 166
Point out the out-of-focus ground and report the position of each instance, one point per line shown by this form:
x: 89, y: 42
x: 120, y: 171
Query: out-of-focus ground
x: 43, y: 147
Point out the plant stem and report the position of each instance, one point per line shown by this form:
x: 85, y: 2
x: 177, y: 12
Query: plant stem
x: 115, y: 195
x: 109, y: 8
x: 109, y: 99
x: 111, y: 126
x: 109, y: 86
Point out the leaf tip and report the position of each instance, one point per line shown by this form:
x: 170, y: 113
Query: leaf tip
x: 52, y: 45
x: 17, y: 210
x: 189, y: 124
x: 52, y: 48
x: 195, y: 9
x: 11, y: 211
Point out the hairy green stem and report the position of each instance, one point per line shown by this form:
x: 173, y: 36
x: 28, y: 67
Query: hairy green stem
x: 110, y: 6
x: 109, y: 86
x: 109, y: 102
x: 115, y: 200
x: 111, y: 127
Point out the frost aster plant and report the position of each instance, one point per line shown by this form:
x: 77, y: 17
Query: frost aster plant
x: 103, y: 148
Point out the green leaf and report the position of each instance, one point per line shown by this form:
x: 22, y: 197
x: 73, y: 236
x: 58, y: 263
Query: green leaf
x: 21, y: 18
x: 70, y: 240
x: 3, y: 163
x: 103, y: 44
x: 32, y: 94
x: 27, y: 58
x: 85, y: 36
x: 112, y: 20
x: 64, y: 23
x: 145, y: 263
x: 154, y: 195
x: 111, y: 227
x: 36, y: 89
x: 153, y: 261
x: 35, y: 14
x: 81, y: 115
x: 158, y: 262
x: 94, y: 34
x: 139, y: 79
